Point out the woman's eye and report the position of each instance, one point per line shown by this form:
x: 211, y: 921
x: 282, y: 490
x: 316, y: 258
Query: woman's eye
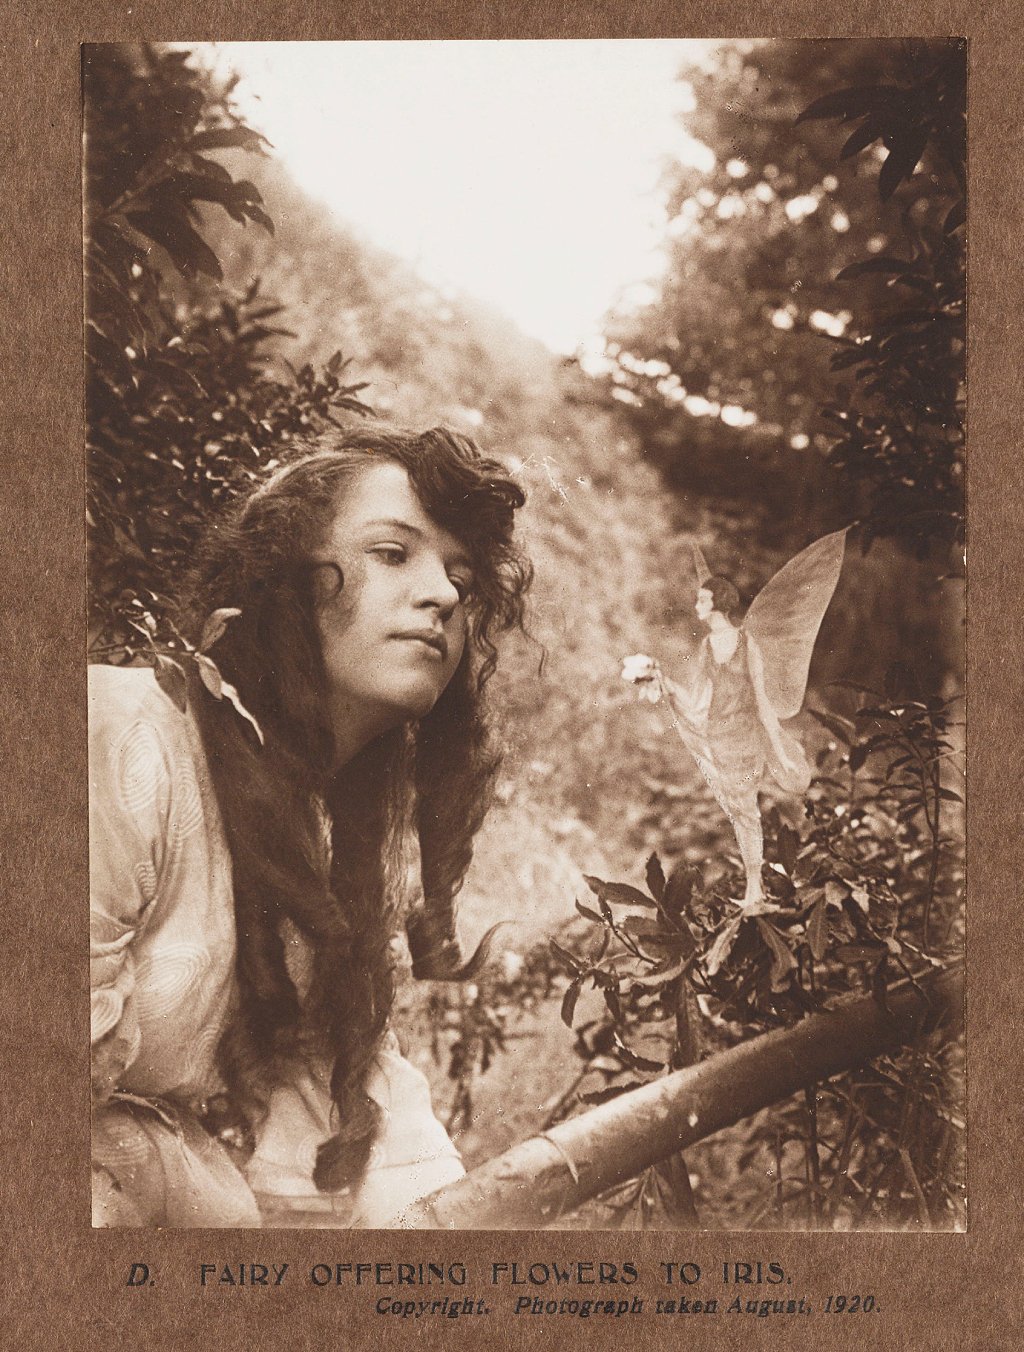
x: 463, y: 585
x: 392, y: 554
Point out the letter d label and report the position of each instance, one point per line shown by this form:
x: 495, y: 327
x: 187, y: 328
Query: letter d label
x: 139, y: 1275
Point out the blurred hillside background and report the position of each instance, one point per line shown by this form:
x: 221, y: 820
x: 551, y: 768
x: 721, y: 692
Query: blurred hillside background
x: 693, y: 413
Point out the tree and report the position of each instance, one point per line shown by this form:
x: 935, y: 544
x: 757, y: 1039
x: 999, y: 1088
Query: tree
x: 723, y: 372
x: 898, y: 433
x: 182, y: 408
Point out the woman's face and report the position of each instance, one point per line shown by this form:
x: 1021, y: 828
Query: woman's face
x: 394, y: 633
x: 705, y: 604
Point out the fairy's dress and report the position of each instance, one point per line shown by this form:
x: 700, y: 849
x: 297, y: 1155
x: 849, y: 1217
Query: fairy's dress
x: 734, y: 733
x: 721, y: 725
x: 163, y: 985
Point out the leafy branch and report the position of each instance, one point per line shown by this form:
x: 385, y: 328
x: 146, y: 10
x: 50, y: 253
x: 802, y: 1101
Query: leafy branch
x: 853, y: 893
x: 897, y: 437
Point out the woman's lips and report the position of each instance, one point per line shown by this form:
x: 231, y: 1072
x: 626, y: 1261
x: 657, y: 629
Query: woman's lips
x: 432, y: 640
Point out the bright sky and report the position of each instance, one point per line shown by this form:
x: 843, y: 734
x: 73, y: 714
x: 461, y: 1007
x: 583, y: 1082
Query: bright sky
x: 523, y: 173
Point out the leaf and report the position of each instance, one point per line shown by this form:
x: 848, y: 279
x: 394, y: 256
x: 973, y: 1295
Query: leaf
x: 222, y: 189
x: 783, y: 961
x: 855, y: 356
x: 642, y: 926
x: 258, y: 215
x: 883, y: 263
x: 568, y: 960
x: 619, y: 893
x: 722, y: 946
x: 659, y: 976
x: 215, y: 625
x: 835, y: 893
x: 209, y: 674
x: 633, y: 1059
x: 655, y: 876
x: 878, y: 712
x: 591, y: 915
x: 679, y: 890
x: 171, y: 680
x: 572, y: 994
x: 868, y: 131
x: 901, y: 162
x: 858, y: 755
x: 228, y: 138
x: 950, y: 796
x: 847, y: 103
x: 588, y: 913
x: 188, y: 251
x: 598, y: 1096
x: 897, y: 764
x: 955, y: 217
x: 862, y: 898
x: 788, y: 842
x: 252, y: 193
x: 209, y: 168
x: 838, y: 727
x: 611, y: 999
x: 879, y: 982
x: 863, y: 952
x: 232, y: 696
x: 817, y: 930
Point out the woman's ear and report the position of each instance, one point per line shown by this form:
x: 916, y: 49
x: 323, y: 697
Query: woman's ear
x: 328, y: 580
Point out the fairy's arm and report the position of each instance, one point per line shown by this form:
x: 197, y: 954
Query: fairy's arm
x: 691, y: 699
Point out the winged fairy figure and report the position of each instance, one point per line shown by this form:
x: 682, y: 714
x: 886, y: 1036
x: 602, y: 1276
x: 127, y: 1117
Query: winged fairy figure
x: 745, y: 680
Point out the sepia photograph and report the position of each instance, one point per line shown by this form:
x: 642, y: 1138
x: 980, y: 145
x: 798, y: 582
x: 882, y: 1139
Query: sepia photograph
x: 526, y: 634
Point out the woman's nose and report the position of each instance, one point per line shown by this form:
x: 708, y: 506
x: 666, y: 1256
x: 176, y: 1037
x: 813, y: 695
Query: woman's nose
x: 436, y: 589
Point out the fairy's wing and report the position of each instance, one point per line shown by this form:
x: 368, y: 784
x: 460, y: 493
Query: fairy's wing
x: 785, y: 616
x: 701, y: 571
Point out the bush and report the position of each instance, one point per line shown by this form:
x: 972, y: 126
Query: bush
x: 182, y: 406
x: 869, y: 890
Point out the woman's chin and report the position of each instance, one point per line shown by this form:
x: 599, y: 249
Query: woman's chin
x: 414, y: 700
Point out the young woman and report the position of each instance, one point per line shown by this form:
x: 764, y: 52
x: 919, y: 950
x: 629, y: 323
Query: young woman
x: 247, y: 891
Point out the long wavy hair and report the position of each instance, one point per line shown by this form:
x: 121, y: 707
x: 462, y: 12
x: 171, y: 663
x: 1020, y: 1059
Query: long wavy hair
x: 324, y: 850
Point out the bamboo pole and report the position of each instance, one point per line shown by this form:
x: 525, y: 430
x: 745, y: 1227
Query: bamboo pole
x: 529, y: 1186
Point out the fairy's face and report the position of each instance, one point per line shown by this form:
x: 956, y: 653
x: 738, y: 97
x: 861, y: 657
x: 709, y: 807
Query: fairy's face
x: 705, y: 604
x: 394, y: 632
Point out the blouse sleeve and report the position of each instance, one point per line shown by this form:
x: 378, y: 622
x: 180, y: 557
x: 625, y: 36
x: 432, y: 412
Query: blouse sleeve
x: 129, y: 804
x: 411, y: 1157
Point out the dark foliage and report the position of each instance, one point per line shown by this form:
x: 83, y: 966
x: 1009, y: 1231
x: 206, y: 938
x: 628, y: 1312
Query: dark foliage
x: 742, y: 317
x: 897, y: 436
x: 182, y: 405
x: 867, y: 891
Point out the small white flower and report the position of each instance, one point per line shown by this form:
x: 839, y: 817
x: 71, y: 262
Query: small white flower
x: 511, y: 964
x: 639, y: 667
x: 642, y: 671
